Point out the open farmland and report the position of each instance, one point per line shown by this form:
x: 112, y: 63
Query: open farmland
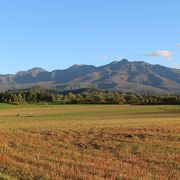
x: 89, y: 142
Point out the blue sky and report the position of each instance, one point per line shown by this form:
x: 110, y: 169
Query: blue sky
x: 54, y: 34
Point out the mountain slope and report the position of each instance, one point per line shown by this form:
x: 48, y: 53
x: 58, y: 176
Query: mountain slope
x: 138, y: 76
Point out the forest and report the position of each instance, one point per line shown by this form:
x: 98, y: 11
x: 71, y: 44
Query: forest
x: 39, y: 96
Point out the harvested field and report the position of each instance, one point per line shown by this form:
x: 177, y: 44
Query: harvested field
x: 89, y: 142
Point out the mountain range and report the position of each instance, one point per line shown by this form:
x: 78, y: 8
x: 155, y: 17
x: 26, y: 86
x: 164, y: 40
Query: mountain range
x: 138, y: 76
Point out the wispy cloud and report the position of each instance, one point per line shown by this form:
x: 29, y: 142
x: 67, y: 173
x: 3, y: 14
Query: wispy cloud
x: 178, y: 44
x: 104, y: 57
x: 177, y: 66
x: 117, y: 58
x: 167, y: 55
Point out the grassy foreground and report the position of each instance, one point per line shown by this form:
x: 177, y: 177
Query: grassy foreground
x: 89, y: 142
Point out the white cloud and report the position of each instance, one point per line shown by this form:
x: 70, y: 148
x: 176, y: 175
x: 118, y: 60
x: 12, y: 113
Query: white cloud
x: 178, y: 44
x: 167, y: 55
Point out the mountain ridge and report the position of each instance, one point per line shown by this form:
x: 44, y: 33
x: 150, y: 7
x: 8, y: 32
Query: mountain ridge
x: 136, y: 76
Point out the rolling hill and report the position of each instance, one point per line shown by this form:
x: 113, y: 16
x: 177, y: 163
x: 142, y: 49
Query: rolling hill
x: 137, y: 76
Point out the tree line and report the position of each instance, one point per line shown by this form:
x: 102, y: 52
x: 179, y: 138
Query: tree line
x: 94, y: 97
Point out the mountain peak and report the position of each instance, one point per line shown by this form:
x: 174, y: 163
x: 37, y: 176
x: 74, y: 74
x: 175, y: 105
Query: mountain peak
x: 81, y: 66
x: 34, y: 72
x: 124, y: 61
x: 37, y: 69
x: 77, y: 65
